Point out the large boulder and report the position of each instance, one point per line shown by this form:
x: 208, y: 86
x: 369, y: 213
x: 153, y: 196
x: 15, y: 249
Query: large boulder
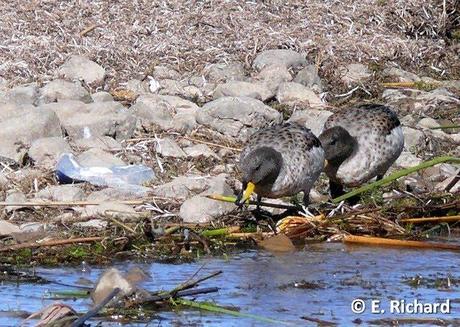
x: 63, y: 90
x: 165, y: 111
x: 81, y: 68
x: 107, y: 118
x: 240, y: 88
x: 287, y: 58
x: 237, y: 117
x: 18, y: 132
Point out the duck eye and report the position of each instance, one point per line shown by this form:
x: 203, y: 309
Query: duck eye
x: 333, y: 142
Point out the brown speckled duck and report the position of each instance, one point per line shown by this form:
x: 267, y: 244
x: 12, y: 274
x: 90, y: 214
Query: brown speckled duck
x: 360, y: 143
x: 280, y: 160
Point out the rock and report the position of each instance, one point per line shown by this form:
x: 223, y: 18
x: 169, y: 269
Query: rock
x: 200, y: 150
x: 450, y: 184
x: 105, y: 143
x: 61, y: 193
x: 438, y: 173
x: 182, y: 187
x: 23, y: 94
x: 166, y: 112
x: 173, y: 87
x: 7, y: 228
x: 10, y: 110
x: 200, y: 209
x: 311, y: 118
x: 120, y: 211
x: 273, y: 76
x: 225, y: 72
x: 63, y: 90
x: 414, y: 139
x: 354, y: 73
x: 294, y: 93
x: 94, y: 119
x: 241, y: 88
x: 15, y: 197
x: 428, y: 123
x: 117, y: 194
x: 237, y: 117
x: 45, y: 152
x: 81, y: 68
x: 138, y: 87
x: 287, y: 58
x: 408, y: 120
x: 400, y: 75
x: 163, y: 72
x: 102, y: 96
x: 309, y: 77
x: 98, y: 224
x: 407, y: 159
x: 99, y: 158
x: 20, y: 131
x: 168, y: 148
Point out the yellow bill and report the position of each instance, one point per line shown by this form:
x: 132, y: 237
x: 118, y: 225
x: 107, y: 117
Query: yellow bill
x: 248, y: 191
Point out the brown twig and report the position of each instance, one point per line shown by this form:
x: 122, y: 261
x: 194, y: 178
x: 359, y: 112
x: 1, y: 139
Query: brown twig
x: 431, y: 219
x: 212, y: 144
x: 88, y: 29
x: 50, y: 243
x: 379, y: 241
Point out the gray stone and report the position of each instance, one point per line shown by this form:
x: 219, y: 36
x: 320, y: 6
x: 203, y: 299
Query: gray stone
x: 63, y: 90
x: 119, y: 210
x: 10, y: 110
x: 287, y: 58
x: 81, y: 68
x: 241, y: 88
x: 163, y: 72
x: 400, y: 75
x: 200, y: 150
x: 167, y: 112
x: 99, y: 158
x: 225, y: 72
x: 428, y: 123
x: 117, y: 194
x: 438, y: 173
x: 354, y: 73
x: 200, y: 209
x: 168, y: 148
x: 45, y: 152
x: 23, y: 94
x: 138, y: 87
x: 407, y: 160
x: 273, y: 76
x: 311, y: 118
x: 94, y: 119
x: 414, y: 139
x: 182, y: 89
x: 237, y: 117
x: 15, y: 197
x: 182, y: 187
x: 309, y: 77
x: 450, y: 184
x: 102, y: 96
x: 61, y: 193
x: 20, y: 131
x: 294, y: 93
x: 7, y: 228
x: 98, y: 224
x: 105, y: 143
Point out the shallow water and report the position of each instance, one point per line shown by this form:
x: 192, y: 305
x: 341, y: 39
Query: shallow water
x: 264, y: 284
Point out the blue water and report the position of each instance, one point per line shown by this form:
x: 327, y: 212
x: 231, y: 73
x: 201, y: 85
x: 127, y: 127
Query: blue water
x: 264, y: 284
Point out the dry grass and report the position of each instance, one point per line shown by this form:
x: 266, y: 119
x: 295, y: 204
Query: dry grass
x: 128, y: 37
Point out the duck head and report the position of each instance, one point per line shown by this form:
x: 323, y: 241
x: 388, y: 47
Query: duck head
x: 260, y: 168
x: 338, y: 145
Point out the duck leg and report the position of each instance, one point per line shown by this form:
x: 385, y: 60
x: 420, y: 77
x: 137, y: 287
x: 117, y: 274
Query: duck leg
x: 335, y: 189
x: 306, y: 198
x: 379, y: 177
